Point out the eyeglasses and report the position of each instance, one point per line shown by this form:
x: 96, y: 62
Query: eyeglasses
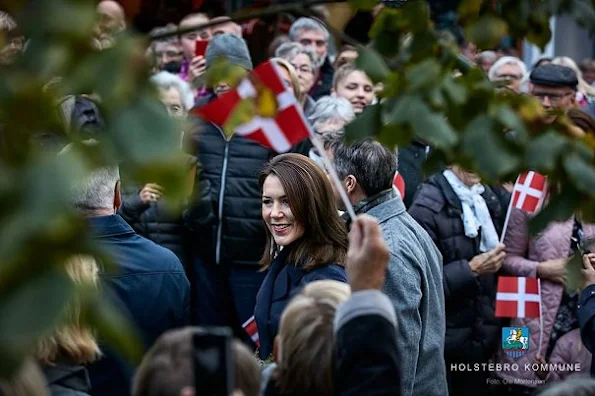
x: 302, y: 68
x: 308, y: 42
x: 554, y: 98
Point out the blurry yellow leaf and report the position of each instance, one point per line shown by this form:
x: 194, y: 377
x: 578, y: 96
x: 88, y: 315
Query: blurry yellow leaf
x: 243, y: 113
x: 266, y: 103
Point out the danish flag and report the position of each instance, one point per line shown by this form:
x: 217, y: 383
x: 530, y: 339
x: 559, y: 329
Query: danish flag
x: 280, y: 133
x: 529, y: 192
x: 518, y: 297
x: 399, y: 184
x: 252, y: 330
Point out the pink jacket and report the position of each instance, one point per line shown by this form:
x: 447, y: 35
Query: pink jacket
x: 523, y: 255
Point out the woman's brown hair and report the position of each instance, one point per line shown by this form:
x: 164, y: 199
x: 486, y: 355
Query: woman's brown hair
x: 312, y: 203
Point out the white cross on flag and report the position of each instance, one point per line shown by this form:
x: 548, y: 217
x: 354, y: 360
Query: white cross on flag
x: 279, y: 133
x: 518, y: 297
x: 529, y: 192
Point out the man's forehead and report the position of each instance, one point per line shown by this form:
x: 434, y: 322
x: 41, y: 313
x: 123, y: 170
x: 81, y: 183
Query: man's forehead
x: 311, y: 33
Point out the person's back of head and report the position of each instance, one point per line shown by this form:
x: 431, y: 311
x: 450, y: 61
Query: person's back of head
x: 305, y: 346
x: 371, y: 164
x: 168, y: 368
x: 98, y: 193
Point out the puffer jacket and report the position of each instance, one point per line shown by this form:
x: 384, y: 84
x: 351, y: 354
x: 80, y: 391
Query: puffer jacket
x: 160, y: 223
x: 232, y: 166
x: 472, y: 330
x: 523, y: 256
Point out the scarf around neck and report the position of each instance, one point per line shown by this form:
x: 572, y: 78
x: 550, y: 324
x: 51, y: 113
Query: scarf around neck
x: 475, y: 212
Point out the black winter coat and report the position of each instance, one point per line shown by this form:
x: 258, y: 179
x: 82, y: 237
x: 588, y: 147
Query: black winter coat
x: 323, y: 84
x: 472, y: 330
x: 159, y: 223
x: 232, y: 167
x: 411, y: 161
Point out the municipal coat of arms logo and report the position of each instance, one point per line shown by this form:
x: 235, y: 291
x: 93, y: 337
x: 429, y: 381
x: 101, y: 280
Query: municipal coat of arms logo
x: 515, y: 341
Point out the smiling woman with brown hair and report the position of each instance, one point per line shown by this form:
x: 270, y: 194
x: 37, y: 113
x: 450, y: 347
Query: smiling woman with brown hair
x: 307, y: 240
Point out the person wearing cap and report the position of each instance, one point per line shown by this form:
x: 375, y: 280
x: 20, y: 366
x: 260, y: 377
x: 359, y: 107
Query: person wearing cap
x: 227, y: 251
x: 554, y: 86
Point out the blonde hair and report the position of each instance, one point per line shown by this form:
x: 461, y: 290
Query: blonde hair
x: 295, y: 83
x: 72, y: 339
x: 583, y: 86
x: 306, y: 339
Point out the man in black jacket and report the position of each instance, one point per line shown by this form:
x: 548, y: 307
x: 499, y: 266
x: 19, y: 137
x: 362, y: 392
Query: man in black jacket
x: 228, y: 250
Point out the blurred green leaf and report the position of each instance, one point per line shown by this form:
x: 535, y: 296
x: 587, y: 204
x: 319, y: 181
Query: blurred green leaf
x: 573, y: 275
x: 580, y: 172
x: 242, y: 113
x: 469, y: 9
x: 30, y: 312
x: 495, y: 160
x: 544, y: 152
x: 365, y: 125
x: 372, y: 63
x: 423, y: 76
x: 559, y: 208
x: 432, y: 128
x: 487, y: 31
x: 456, y: 92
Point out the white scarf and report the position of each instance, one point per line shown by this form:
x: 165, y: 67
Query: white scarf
x: 475, y: 212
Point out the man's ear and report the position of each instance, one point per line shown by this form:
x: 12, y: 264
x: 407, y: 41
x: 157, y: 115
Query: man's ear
x: 350, y: 184
x: 117, y: 197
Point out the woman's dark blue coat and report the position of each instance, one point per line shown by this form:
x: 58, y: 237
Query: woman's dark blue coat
x: 283, y: 281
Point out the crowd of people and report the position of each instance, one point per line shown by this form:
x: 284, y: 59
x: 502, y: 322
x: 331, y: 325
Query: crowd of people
x: 399, y: 300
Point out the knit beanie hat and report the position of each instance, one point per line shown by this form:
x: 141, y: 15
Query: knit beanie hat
x: 231, y: 47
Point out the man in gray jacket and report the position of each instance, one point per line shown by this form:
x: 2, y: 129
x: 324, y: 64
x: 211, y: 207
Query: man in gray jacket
x: 414, y: 276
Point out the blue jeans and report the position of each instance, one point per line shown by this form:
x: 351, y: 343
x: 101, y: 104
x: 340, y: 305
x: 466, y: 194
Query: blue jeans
x: 224, y: 296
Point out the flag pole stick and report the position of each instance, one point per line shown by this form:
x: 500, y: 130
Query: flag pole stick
x: 506, y: 221
x: 333, y: 173
x: 540, y: 317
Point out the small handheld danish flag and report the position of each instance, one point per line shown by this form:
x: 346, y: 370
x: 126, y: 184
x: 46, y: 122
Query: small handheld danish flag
x: 529, y: 192
x: 518, y: 297
x: 252, y: 330
x: 281, y: 132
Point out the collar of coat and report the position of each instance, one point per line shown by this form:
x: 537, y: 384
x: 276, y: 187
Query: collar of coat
x: 367, y: 204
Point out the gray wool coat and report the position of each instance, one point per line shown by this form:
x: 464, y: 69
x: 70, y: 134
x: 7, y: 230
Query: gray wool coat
x: 414, y: 285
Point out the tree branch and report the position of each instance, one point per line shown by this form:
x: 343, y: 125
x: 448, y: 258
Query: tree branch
x: 244, y: 16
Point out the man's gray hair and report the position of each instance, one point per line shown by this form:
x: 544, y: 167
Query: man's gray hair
x: 289, y: 51
x: 330, y: 108
x: 508, y: 60
x: 165, y: 81
x: 371, y: 163
x: 306, y: 24
x: 96, y: 190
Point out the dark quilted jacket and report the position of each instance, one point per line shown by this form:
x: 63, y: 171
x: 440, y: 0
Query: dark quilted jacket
x: 472, y: 330
x: 232, y: 167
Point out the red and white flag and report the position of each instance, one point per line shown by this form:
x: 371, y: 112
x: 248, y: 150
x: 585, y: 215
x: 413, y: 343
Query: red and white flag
x: 399, y: 184
x: 518, y: 297
x: 252, y: 330
x: 279, y: 133
x: 529, y: 192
